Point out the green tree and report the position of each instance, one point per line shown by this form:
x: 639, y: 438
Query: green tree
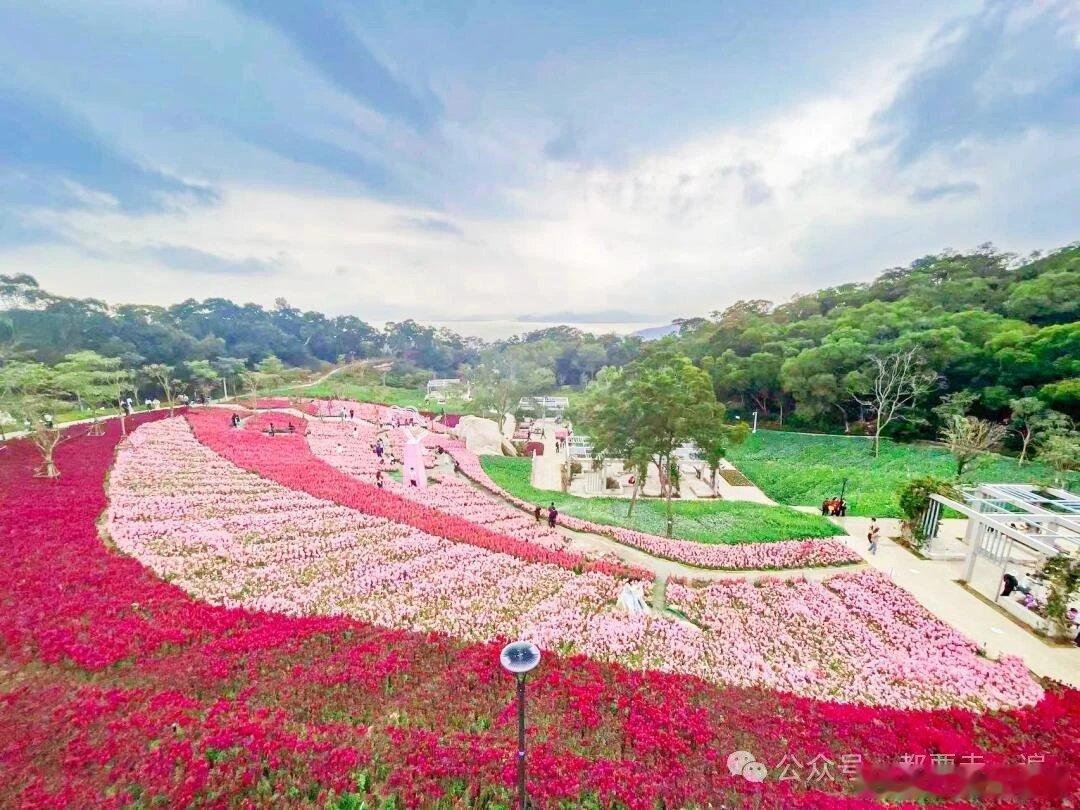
x: 162, y: 376
x: 31, y: 392
x: 203, y: 376
x: 652, y: 407
x: 96, y: 382
x: 1031, y: 420
x: 1061, y: 451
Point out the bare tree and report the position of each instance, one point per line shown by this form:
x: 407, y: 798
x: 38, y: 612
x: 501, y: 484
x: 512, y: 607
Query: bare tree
x: 968, y: 438
x: 899, y: 380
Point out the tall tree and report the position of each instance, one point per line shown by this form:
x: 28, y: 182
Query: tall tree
x: 652, y: 407
x: 163, y: 378
x: 897, y: 382
x: 31, y: 392
x: 1031, y: 420
x: 96, y: 381
x: 203, y: 376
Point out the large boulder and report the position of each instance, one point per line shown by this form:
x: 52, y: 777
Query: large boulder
x: 483, y: 437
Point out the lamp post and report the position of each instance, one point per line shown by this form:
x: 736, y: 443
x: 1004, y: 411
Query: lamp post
x: 754, y: 430
x: 519, y: 658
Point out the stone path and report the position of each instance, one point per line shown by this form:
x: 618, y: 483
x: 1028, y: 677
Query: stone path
x: 933, y: 583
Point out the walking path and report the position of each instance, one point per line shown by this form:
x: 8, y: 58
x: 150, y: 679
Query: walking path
x: 933, y: 583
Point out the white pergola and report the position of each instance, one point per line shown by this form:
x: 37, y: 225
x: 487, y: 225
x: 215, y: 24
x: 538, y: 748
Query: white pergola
x: 1043, y: 521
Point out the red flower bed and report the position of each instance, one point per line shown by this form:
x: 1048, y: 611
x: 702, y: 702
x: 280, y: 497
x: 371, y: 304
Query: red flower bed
x: 119, y: 690
x: 261, y: 422
x: 297, y: 467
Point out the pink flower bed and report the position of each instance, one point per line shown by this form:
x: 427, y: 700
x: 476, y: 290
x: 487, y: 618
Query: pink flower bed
x: 852, y: 637
x: 293, y: 465
x: 232, y: 538
x: 742, y: 557
x: 348, y: 448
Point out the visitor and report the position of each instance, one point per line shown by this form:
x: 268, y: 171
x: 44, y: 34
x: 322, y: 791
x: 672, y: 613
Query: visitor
x: 1008, y: 585
x: 874, y: 535
x: 825, y: 506
x: 378, y: 479
x: 412, y: 482
x: 291, y: 428
x: 536, y: 513
x: 842, y: 509
x: 149, y: 404
x: 338, y: 449
x: 1072, y: 615
x: 553, y: 515
x: 272, y: 429
x: 352, y: 414
x: 1024, y: 584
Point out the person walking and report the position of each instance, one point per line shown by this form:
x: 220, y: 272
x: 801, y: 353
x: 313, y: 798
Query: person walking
x: 874, y: 535
x: 536, y: 513
x: 553, y: 515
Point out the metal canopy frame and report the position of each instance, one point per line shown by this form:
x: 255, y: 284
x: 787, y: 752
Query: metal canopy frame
x: 1045, y: 521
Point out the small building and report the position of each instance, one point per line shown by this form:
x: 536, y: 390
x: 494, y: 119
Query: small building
x: 544, y: 405
x: 442, y: 389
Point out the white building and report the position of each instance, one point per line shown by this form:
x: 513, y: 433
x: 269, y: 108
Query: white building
x: 544, y: 405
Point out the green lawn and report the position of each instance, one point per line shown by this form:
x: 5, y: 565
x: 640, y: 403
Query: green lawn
x: 405, y: 397
x: 703, y: 521
x: 799, y: 469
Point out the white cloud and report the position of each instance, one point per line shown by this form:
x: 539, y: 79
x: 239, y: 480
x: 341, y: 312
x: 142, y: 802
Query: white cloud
x: 763, y: 210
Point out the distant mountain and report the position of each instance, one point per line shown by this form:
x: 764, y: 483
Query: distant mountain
x: 596, y: 316
x: 656, y: 332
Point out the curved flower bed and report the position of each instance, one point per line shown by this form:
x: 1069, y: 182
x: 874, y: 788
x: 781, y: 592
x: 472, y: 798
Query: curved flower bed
x: 124, y: 691
x: 348, y: 448
x: 854, y: 634
x: 299, y: 469
x: 248, y: 541
x: 232, y: 538
x: 743, y: 557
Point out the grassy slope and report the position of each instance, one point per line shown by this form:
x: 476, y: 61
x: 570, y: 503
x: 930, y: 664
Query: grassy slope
x: 703, y: 521
x: 385, y: 394
x: 804, y: 470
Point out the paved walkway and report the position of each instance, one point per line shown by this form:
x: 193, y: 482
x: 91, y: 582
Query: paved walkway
x: 933, y: 583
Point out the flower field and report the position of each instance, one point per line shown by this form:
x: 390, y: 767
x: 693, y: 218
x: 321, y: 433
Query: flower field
x: 121, y: 690
x: 847, y: 637
x: 229, y: 537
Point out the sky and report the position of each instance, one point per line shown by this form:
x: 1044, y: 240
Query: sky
x: 482, y: 161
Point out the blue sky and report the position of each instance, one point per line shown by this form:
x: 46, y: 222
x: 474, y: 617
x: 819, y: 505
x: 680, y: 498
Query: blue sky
x: 452, y: 160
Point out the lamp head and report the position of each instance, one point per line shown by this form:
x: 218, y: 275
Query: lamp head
x: 519, y: 657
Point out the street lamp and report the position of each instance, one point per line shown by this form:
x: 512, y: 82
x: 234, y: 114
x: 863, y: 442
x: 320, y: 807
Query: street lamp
x: 519, y: 658
x: 755, y: 423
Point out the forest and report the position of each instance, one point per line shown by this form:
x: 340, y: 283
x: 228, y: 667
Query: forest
x: 985, y: 331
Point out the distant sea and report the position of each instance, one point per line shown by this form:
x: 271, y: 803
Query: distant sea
x: 498, y: 330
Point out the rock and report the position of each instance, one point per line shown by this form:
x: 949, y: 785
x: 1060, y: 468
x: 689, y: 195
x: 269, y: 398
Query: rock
x: 509, y: 425
x: 481, y: 436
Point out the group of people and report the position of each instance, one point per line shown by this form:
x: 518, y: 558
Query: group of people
x: 552, y: 515
x: 833, y: 507
x: 273, y: 431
